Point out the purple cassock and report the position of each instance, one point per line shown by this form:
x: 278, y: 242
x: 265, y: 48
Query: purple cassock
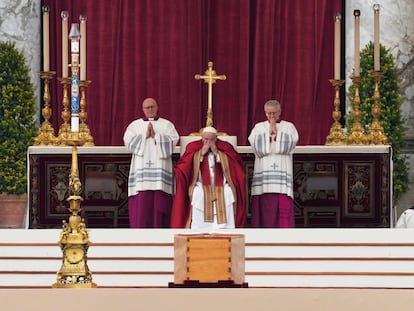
x: 150, y: 209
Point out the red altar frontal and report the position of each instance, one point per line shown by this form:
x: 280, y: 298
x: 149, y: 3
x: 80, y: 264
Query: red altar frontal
x: 334, y: 186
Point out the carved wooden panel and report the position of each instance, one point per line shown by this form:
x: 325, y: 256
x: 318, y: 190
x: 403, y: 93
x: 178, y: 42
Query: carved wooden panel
x: 358, y: 184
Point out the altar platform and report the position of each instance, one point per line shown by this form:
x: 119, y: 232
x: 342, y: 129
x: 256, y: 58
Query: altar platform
x: 289, y: 269
x: 274, y: 258
x: 334, y: 186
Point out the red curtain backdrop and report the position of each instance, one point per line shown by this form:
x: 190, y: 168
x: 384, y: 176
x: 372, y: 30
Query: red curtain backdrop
x: 268, y: 49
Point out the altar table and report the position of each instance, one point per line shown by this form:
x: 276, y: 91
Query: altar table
x: 353, y: 183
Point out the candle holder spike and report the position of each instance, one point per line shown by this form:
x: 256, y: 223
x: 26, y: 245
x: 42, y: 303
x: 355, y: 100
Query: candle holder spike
x: 84, y: 131
x: 64, y: 130
x: 376, y: 135
x: 46, y: 134
x: 357, y: 134
x: 336, y: 134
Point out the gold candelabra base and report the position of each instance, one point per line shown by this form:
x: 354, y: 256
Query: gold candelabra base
x: 85, y: 134
x: 357, y: 135
x: 376, y: 134
x: 46, y: 135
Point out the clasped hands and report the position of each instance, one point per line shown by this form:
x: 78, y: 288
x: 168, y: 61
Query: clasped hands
x: 150, y: 130
x: 209, y: 145
x: 273, y: 128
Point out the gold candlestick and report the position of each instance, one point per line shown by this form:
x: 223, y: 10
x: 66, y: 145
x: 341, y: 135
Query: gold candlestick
x: 46, y: 134
x: 74, y: 238
x: 376, y: 134
x: 336, y: 135
x: 84, y: 131
x: 356, y: 135
x: 64, y: 130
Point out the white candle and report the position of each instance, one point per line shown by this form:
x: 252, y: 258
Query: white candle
x: 64, y: 16
x: 74, y: 123
x: 82, y: 19
x: 337, y: 72
x: 357, y: 13
x: 376, y: 38
x: 46, y: 52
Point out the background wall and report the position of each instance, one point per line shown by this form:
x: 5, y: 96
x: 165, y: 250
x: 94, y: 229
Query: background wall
x: 20, y: 21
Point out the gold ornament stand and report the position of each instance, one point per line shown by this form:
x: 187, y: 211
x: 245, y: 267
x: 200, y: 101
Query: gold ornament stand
x: 46, y: 134
x: 84, y: 131
x: 376, y: 134
x: 210, y: 77
x: 357, y: 134
x: 336, y: 135
x: 74, y: 238
x: 64, y: 130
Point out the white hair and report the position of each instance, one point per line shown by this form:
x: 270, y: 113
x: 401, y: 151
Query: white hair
x: 209, y: 129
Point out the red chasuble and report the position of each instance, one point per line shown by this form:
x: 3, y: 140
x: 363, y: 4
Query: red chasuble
x: 184, y: 177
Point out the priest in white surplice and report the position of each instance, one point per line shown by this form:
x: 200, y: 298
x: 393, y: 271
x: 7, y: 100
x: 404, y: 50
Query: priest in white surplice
x: 406, y: 219
x: 272, y: 186
x: 151, y: 141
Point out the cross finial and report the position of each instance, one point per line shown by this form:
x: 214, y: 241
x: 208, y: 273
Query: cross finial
x: 210, y: 76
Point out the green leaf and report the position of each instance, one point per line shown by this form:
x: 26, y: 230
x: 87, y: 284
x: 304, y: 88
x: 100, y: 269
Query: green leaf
x: 17, y: 124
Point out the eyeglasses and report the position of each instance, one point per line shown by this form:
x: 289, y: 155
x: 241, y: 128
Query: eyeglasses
x: 150, y: 107
x: 273, y: 113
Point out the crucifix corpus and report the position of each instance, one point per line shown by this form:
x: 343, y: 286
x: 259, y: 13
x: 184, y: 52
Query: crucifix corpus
x: 210, y: 77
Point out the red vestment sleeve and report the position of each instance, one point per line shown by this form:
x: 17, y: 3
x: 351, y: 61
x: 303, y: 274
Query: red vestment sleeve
x: 183, y: 172
x: 238, y: 177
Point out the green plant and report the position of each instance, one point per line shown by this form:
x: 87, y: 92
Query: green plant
x: 17, y: 125
x: 390, y: 104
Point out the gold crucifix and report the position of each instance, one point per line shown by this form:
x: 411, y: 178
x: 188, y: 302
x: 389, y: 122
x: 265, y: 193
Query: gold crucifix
x: 210, y: 76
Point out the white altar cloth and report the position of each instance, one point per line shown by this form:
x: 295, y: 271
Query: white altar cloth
x: 241, y: 149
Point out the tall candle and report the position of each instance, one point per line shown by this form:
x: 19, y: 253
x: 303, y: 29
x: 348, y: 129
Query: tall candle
x: 46, y: 52
x: 82, y: 19
x: 337, y: 73
x: 357, y: 13
x: 376, y: 38
x: 74, y: 123
x: 65, y: 16
x: 74, y: 36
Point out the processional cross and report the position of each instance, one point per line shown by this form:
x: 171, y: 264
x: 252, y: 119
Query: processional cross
x: 210, y: 77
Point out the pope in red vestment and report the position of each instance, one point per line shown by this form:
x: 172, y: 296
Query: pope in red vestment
x: 187, y: 172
